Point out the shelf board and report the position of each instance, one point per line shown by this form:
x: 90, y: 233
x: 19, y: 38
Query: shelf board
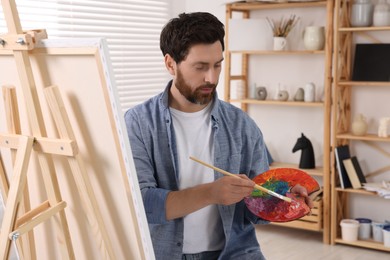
x: 279, y: 103
x: 367, y: 137
x: 364, y: 29
x: 357, y: 191
x: 248, y: 6
x: 272, y: 52
x: 319, y: 171
x: 366, y: 243
x: 364, y: 83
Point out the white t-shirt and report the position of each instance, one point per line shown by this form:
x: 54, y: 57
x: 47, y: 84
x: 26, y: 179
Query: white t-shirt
x: 203, y: 229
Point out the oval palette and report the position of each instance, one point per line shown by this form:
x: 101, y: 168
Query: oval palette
x: 280, y: 180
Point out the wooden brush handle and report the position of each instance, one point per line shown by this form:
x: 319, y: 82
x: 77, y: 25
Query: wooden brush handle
x: 270, y: 192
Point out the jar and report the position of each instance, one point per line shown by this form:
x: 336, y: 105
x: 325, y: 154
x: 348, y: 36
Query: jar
x: 359, y: 125
x: 381, y: 16
x: 361, y: 13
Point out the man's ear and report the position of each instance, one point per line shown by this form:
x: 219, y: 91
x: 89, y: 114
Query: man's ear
x: 170, y: 64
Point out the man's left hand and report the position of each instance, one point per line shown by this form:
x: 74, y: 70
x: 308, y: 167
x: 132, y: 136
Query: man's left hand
x: 302, y: 191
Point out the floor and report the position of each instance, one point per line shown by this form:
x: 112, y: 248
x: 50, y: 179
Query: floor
x: 280, y: 243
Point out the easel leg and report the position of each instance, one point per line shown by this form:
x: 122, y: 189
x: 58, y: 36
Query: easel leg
x: 15, y: 193
x: 26, y: 244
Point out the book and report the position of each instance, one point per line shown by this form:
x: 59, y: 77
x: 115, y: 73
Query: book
x: 352, y: 174
x: 358, y: 170
x: 342, y: 153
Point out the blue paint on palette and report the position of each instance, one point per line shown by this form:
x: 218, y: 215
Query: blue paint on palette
x: 278, y: 186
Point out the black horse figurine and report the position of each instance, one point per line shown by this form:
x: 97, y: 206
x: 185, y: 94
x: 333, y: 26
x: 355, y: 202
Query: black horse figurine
x: 307, y: 156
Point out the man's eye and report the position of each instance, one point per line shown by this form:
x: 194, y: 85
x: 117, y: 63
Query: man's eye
x: 200, y: 68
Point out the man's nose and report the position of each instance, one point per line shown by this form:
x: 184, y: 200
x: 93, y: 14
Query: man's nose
x: 212, y: 76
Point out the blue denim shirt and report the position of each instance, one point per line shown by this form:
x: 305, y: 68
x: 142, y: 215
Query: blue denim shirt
x: 238, y: 148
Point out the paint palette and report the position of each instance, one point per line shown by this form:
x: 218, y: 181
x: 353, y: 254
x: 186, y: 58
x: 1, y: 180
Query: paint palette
x: 280, y: 180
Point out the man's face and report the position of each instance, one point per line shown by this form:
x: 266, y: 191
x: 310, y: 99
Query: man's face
x: 197, y: 76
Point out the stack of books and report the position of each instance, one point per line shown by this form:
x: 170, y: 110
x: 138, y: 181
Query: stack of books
x: 348, y: 167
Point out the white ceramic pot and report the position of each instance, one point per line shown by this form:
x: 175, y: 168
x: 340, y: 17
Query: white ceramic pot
x: 280, y: 43
x: 381, y: 15
x: 361, y: 14
x: 314, y: 38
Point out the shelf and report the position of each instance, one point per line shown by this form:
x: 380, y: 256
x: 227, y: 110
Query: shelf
x: 320, y: 222
x: 271, y: 52
x: 364, y: 29
x: 279, y: 103
x: 344, y: 99
x: 366, y: 243
x: 319, y: 171
x: 364, y: 83
x: 357, y: 191
x: 249, y: 6
x: 367, y: 137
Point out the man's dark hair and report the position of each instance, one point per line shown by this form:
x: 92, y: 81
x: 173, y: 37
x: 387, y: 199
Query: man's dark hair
x: 181, y: 33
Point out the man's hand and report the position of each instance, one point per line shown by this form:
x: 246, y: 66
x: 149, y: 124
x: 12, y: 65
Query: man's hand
x: 298, y: 189
x: 229, y: 190
x: 226, y: 191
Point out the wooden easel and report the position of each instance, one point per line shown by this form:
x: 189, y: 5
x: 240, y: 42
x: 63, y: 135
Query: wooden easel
x: 15, y: 224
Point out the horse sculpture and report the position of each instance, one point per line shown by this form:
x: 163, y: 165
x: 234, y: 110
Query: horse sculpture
x: 307, y: 160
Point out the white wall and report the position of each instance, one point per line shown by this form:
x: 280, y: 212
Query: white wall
x: 274, y: 121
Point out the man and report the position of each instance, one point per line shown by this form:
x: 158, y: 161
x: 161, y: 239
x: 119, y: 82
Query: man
x: 194, y: 212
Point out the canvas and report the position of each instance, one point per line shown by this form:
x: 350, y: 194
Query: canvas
x: 81, y: 70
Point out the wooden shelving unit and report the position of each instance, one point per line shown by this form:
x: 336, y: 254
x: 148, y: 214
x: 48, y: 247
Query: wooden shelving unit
x: 342, y: 102
x: 320, y: 220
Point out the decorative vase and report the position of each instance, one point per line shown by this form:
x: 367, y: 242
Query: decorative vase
x: 359, y: 125
x: 361, y: 13
x: 282, y: 95
x: 381, y: 15
x: 299, y: 95
x: 314, y: 38
x: 309, y: 92
x: 261, y: 93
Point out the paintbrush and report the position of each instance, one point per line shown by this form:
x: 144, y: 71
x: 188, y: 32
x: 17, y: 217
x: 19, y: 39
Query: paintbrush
x: 258, y: 187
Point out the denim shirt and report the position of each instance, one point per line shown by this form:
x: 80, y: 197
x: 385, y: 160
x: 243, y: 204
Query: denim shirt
x: 238, y: 148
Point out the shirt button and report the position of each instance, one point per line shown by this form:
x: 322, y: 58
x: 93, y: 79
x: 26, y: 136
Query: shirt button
x: 178, y: 244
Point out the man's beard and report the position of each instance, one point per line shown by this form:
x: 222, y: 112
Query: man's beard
x: 195, y: 97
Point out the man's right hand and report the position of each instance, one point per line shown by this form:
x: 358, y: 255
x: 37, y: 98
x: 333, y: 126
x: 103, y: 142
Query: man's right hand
x: 229, y: 190
x: 225, y: 191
